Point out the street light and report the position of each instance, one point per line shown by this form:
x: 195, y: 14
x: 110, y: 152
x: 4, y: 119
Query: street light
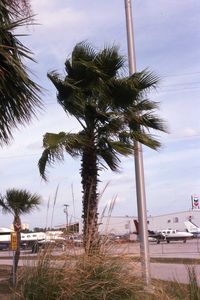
x: 66, y: 214
x: 139, y: 169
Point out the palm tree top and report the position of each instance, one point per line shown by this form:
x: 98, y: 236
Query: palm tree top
x: 113, y: 110
x: 19, y: 201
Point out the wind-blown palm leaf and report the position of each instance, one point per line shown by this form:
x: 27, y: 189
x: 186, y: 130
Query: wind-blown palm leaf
x: 21, y: 201
x: 16, y: 8
x: 108, y: 151
x: 55, y: 146
x: 5, y: 208
x: 122, y: 147
x: 144, y: 81
x: 144, y: 105
x: 121, y: 93
x: 145, y: 139
x: 109, y: 62
x: 69, y: 96
x: 83, y: 52
x: 19, y: 98
x: 146, y: 121
x: 150, y: 121
x: 108, y: 155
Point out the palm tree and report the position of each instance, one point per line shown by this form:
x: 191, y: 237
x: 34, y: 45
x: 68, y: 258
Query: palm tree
x: 18, y: 92
x: 18, y: 202
x: 109, y: 119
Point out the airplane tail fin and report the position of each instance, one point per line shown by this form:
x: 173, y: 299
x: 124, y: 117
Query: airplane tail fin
x: 191, y: 226
x: 136, y: 226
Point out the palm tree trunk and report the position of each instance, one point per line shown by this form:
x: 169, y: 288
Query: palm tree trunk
x: 17, y: 228
x: 89, y: 173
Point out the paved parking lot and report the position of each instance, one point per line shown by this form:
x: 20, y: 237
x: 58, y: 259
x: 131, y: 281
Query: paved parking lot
x: 190, y: 249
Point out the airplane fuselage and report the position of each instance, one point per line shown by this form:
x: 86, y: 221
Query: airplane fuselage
x: 27, y: 238
x: 175, y: 235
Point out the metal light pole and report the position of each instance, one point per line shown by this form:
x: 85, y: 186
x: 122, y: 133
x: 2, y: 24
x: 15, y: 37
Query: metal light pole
x: 66, y: 214
x: 138, y: 156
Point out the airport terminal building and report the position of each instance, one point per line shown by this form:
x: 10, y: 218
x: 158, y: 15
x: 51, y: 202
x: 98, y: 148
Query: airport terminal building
x: 123, y: 225
x: 174, y: 220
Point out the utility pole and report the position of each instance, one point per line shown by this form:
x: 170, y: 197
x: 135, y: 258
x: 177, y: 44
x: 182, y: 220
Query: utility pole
x: 138, y: 156
x: 66, y: 214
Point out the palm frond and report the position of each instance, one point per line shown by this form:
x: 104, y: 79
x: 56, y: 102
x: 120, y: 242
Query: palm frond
x: 16, y: 8
x: 19, y: 201
x: 55, y: 145
x: 83, y: 52
x: 111, y: 159
x: 109, y: 62
x: 144, y: 105
x: 152, y: 121
x: 122, y: 147
x: 145, y: 139
x: 144, y: 81
x: 69, y: 95
x: 19, y: 94
x: 121, y: 93
x: 3, y: 205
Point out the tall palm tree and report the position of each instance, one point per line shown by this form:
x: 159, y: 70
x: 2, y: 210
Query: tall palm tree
x: 18, y: 202
x: 18, y: 92
x: 109, y: 119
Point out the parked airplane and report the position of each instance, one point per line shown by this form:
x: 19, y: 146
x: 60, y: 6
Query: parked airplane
x: 192, y: 228
x: 30, y: 239
x: 175, y: 235
x: 167, y: 235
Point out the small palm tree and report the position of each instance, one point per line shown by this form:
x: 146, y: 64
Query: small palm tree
x: 107, y: 108
x: 18, y: 92
x: 18, y: 202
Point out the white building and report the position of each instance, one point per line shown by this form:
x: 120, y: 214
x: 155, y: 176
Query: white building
x: 125, y: 225
x: 117, y: 225
x: 121, y: 225
x: 174, y: 220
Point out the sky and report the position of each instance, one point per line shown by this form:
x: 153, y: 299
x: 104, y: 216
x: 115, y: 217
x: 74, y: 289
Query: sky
x: 167, y: 40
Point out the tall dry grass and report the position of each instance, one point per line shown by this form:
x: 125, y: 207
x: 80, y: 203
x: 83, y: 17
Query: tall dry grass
x: 78, y: 278
x: 100, y: 277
